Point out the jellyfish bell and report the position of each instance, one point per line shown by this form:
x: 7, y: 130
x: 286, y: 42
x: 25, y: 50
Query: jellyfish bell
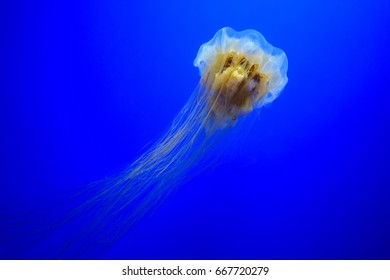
x: 240, y: 71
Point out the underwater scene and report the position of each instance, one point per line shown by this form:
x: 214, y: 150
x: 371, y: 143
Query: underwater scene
x: 195, y: 130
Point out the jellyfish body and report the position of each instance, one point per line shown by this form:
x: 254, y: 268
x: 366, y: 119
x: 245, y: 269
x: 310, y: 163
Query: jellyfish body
x: 240, y: 72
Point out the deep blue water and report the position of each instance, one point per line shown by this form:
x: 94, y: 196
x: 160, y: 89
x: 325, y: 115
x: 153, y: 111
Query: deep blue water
x: 85, y: 85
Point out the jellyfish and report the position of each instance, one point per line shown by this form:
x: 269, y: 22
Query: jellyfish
x: 239, y: 73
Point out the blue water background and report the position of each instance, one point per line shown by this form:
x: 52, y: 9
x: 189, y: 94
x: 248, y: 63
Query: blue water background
x: 85, y: 85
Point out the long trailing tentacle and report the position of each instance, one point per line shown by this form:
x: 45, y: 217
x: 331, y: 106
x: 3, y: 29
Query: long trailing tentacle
x: 116, y: 203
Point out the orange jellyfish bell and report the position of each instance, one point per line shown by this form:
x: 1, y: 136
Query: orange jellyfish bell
x: 239, y: 71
